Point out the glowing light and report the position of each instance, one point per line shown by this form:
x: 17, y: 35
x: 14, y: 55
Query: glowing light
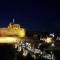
x: 52, y: 35
x: 19, y: 49
x: 15, y: 45
x: 25, y: 52
x: 8, y: 39
x: 52, y: 45
x: 21, y: 33
x: 48, y: 40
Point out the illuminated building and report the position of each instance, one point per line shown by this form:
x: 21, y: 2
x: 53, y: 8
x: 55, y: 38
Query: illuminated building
x: 11, y: 33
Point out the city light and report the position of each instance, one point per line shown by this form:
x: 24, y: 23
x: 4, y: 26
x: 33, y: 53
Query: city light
x: 8, y: 39
x: 52, y: 34
x: 48, y: 40
x: 25, y: 52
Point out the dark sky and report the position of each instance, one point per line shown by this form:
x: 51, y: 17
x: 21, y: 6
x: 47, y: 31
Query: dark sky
x: 41, y: 16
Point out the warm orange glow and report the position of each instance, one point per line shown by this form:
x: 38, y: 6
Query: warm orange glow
x: 8, y: 39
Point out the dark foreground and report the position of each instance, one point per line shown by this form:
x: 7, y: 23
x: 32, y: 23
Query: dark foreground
x: 8, y: 52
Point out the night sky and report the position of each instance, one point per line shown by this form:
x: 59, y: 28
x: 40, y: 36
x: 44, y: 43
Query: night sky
x: 39, y: 16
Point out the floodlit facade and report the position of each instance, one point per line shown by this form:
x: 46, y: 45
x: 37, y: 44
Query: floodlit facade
x: 10, y: 33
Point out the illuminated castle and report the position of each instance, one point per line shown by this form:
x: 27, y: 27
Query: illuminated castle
x: 13, y: 29
x: 8, y: 34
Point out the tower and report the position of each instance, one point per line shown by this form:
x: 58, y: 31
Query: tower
x: 13, y: 20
